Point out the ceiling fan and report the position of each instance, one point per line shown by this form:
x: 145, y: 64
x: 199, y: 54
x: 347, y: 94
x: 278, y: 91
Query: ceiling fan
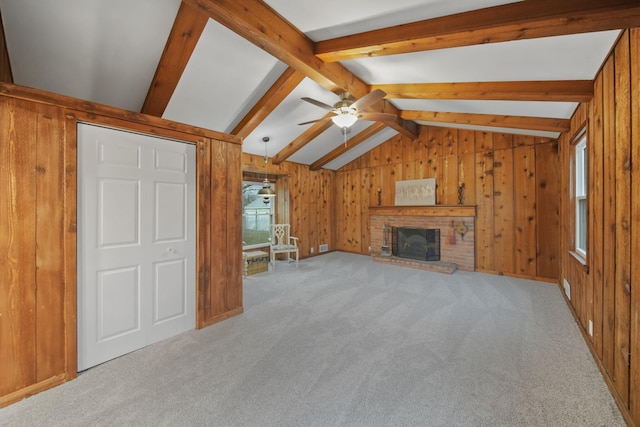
x: 348, y: 110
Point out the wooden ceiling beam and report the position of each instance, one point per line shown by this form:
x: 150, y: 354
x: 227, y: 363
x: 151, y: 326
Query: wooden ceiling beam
x: 514, y: 21
x: 303, y: 139
x: 256, y: 22
x: 556, y: 90
x: 184, y: 36
x: 493, y: 120
x: 352, y: 142
x: 286, y: 83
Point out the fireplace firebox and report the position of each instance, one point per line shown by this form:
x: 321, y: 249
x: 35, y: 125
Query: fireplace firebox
x: 416, y: 243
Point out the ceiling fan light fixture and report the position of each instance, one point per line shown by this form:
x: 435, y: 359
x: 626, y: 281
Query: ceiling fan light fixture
x: 344, y: 120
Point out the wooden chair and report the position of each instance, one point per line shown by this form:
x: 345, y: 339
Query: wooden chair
x: 282, y: 243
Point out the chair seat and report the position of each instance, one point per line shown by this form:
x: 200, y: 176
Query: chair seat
x: 284, y: 247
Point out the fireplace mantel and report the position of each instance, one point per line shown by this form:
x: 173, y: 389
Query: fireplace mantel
x: 456, y: 248
x: 434, y: 210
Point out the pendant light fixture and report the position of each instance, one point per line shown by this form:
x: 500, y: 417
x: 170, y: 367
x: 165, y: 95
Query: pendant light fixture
x: 266, y: 192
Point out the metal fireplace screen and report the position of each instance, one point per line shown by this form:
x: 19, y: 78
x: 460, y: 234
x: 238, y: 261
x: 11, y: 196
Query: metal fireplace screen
x: 416, y: 243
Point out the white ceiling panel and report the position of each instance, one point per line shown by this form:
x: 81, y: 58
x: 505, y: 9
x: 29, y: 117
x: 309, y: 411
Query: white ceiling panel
x: 572, y: 57
x: 101, y: 51
x: 326, y: 142
x: 223, y: 73
x: 336, y: 18
x: 369, y: 144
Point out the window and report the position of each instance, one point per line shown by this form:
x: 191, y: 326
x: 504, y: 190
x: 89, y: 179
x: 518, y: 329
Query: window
x: 257, y: 217
x: 581, y: 196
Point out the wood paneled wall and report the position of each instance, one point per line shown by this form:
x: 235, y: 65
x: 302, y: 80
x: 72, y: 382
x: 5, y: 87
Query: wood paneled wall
x: 512, y: 179
x: 219, y: 229
x: 38, y: 230
x: 602, y: 290
x: 305, y: 199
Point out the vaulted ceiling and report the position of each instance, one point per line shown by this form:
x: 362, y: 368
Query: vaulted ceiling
x: 242, y: 66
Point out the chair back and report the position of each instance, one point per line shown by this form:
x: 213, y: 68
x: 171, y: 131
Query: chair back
x: 280, y: 234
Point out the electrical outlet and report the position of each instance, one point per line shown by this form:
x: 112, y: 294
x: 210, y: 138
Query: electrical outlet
x: 590, y: 327
x: 311, y: 250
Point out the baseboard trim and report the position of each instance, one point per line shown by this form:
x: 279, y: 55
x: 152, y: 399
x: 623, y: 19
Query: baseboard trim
x: 29, y: 391
x: 220, y: 317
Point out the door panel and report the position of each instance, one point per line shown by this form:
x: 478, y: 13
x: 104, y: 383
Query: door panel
x: 170, y: 222
x: 118, y: 302
x: 136, y: 246
x: 170, y: 295
x: 118, y: 212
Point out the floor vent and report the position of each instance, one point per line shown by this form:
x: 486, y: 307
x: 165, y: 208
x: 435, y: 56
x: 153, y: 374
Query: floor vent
x: 323, y: 248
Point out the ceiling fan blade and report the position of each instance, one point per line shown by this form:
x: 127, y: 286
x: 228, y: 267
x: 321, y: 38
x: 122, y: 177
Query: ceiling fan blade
x: 315, y: 121
x: 369, y: 99
x: 318, y: 103
x: 377, y: 117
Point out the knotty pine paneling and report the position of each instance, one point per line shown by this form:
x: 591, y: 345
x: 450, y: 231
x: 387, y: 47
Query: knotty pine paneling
x: 484, y: 141
x: 409, y: 163
x: 623, y: 215
x: 602, y: 290
x: 369, y: 197
x: 524, y: 167
x: 609, y: 216
x: 492, y: 181
x: 502, y: 141
x: 222, y: 292
x: 353, y: 224
x: 50, y: 226
x: 595, y: 232
x: 485, y: 248
x: 503, y: 211
x: 547, y: 200
x: 219, y: 297
x: 37, y: 335
x: 466, y: 172
x: 233, y: 211
x: 18, y: 192
x: 448, y: 186
x: 634, y: 96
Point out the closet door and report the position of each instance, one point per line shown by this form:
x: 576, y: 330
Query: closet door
x: 136, y: 241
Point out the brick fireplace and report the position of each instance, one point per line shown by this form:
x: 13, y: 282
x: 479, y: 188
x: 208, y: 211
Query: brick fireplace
x: 457, y: 251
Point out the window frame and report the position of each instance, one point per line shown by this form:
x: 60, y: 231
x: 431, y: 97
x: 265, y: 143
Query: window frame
x: 272, y: 215
x: 580, y: 195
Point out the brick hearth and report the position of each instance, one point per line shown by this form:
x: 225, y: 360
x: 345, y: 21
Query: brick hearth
x: 455, y: 251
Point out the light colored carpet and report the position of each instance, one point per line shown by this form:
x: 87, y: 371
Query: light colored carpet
x: 344, y: 341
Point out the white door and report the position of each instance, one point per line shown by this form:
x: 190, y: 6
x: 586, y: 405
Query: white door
x: 136, y: 241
